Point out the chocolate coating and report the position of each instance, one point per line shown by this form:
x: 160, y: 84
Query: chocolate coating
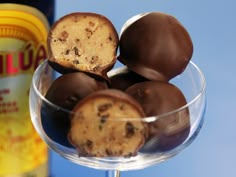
x: 64, y: 93
x: 108, y: 123
x: 158, y: 98
x: 83, y: 41
x: 124, y: 78
x: 156, y: 46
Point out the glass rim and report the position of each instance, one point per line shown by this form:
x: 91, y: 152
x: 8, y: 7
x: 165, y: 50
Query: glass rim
x: 144, y: 119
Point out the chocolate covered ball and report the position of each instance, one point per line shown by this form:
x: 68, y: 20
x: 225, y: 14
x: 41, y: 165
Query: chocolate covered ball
x: 155, y: 45
x: 108, y: 123
x: 162, y: 99
x: 63, y: 94
x: 123, y: 78
x: 84, y: 42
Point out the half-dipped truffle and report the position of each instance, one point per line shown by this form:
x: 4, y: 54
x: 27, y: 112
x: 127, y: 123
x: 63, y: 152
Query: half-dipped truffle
x: 107, y: 123
x: 83, y: 42
x: 61, y: 97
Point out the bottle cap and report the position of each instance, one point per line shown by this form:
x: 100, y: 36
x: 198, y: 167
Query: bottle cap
x: 23, y: 22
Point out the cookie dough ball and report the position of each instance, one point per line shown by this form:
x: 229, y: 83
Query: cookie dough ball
x: 160, y: 99
x: 83, y: 42
x: 61, y: 97
x: 107, y: 123
x: 155, y: 45
x: 122, y: 78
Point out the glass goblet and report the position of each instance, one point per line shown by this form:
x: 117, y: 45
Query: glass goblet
x: 191, y: 82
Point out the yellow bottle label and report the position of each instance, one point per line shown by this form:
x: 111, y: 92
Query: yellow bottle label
x: 23, y: 36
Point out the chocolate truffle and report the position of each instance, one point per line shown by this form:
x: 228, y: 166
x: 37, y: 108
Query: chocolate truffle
x: 122, y: 78
x: 162, y: 99
x: 83, y: 42
x: 155, y: 45
x: 107, y: 123
x: 62, y: 95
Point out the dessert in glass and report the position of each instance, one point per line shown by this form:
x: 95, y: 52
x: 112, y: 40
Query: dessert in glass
x: 127, y: 118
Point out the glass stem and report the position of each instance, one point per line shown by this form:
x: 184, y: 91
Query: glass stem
x: 113, y: 173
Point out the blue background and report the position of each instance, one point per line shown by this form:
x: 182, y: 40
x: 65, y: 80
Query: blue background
x: 212, y: 26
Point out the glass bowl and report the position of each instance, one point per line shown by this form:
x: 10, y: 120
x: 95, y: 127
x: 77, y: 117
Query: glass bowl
x: 192, y: 84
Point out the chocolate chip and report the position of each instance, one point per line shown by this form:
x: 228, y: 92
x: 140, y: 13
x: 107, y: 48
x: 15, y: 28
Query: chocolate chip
x: 109, y: 152
x: 76, y: 50
x: 89, y: 144
x: 76, y: 62
x: 67, y: 52
x: 130, y: 129
x: 89, y: 32
x: 104, y: 107
x: 64, y: 36
x: 110, y: 38
x: 94, y: 59
x: 91, y: 23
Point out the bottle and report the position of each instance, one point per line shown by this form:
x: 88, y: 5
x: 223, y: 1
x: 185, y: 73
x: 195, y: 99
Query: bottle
x: 24, y: 26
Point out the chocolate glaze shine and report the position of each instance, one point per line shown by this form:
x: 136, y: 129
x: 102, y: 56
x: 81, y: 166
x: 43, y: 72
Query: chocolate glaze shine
x: 156, y: 46
x: 70, y: 88
x: 159, y: 98
x: 124, y: 78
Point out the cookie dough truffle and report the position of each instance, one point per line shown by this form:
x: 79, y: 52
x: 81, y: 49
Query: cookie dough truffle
x: 83, y: 42
x: 159, y: 99
x: 155, y: 45
x: 122, y: 78
x: 62, y: 95
x: 70, y: 88
x: 107, y: 123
